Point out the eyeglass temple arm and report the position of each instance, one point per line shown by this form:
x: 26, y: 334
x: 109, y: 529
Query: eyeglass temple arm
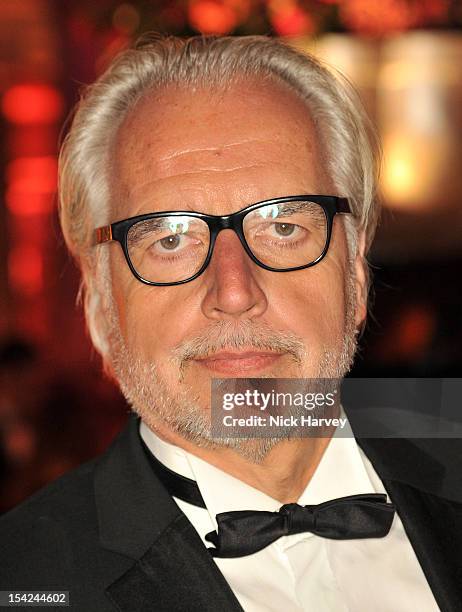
x: 343, y: 206
x: 103, y: 234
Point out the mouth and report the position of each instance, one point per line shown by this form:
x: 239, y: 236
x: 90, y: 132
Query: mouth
x: 238, y: 362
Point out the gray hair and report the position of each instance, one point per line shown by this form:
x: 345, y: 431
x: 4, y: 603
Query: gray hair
x: 155, y: 62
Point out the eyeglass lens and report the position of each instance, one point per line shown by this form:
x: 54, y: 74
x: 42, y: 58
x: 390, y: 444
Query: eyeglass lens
x: 173, y: 248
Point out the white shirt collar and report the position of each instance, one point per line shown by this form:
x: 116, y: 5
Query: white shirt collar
x: 343, y: 470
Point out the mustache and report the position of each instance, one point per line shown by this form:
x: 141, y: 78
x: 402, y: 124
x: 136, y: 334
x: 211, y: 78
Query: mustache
x: 236, y: 335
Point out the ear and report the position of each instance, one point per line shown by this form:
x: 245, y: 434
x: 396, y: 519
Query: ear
x: 102, y: 341
x: 96, y: 314
x: 361, y: 280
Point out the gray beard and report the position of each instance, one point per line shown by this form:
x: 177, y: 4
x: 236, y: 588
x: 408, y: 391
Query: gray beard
x: 180, y: 411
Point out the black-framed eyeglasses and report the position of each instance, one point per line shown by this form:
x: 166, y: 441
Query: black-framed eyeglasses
x: 175, y: 247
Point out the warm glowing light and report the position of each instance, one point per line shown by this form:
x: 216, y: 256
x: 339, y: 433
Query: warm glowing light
x: 400, y: 178
x: 412, y: 165
x: 376, y: 18
x: 33, y: 174
x: 126, y: 18
x: 289, y: 19
x: 25, y: 269
x: 114, y: 42
x: 32, y: 140
x: 31, y: 185
x: 28, y: 204
x: 212, y: 16
x: 379, y: 18
x: 32, y: 103
x: 411, y: 332
x: 416, y: 328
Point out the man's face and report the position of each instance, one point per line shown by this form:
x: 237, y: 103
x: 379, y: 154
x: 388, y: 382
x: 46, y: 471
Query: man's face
x: 217, y: 153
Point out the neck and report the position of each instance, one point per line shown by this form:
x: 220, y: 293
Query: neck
x: 283, y: 474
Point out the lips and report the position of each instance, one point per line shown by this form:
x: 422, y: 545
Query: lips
x: 235, y: 362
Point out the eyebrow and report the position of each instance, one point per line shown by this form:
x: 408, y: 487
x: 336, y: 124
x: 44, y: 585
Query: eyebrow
x: 140, y: 229
x: 155, y: 224
x: 294, y: 207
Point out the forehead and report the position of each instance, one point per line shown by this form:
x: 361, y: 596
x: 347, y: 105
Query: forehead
x: 248, y: 140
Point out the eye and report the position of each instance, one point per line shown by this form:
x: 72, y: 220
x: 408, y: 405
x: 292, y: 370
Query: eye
x: 284, y: 229
x: 170, y: 242
x: 174, y: 243
x: 282, y: 232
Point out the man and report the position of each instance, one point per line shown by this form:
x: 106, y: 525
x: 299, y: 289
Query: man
x: 184, y: 186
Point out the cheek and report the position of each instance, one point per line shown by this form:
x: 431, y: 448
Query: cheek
x: 144, y: 323
x: 314, y: 307
x: 155, y: 319
x: 135, y: 304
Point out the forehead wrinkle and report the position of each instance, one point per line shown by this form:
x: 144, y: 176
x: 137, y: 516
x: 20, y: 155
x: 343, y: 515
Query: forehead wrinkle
x: 167, y: 163
x: 199, y: 171
x: 212, y: 149
x: 157, y: 184
x: 176, y: 164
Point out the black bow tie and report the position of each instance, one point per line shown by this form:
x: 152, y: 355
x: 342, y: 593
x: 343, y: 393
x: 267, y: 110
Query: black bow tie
x: 243, y: 532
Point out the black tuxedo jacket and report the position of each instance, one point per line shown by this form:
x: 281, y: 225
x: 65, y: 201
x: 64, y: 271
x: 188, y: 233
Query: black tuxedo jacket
x: 111, y: 535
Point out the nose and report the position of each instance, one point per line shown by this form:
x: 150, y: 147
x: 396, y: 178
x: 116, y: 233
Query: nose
x: 233, y: 291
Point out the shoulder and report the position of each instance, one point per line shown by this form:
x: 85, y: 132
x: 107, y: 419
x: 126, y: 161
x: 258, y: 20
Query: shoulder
x: 60, y: 495
x: 431, y: 465
x: 43, y: 534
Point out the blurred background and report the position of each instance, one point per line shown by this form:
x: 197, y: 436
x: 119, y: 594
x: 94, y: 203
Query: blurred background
x: 405, y: 58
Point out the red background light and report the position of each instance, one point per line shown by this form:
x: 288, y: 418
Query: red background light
x: 33, y: 103
x: 25, y: 265
x: 33, y: 174
x: 31, y: 185
x: 210, y: 17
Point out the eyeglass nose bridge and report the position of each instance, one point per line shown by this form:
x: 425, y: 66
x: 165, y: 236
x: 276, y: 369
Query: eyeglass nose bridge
x: 226, y: 222
x: 219, y: 223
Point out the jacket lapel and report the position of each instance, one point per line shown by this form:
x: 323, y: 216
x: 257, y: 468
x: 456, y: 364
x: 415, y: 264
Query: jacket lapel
x: 176, y: 573
x: 171, y: 569
x: 433, y: 524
